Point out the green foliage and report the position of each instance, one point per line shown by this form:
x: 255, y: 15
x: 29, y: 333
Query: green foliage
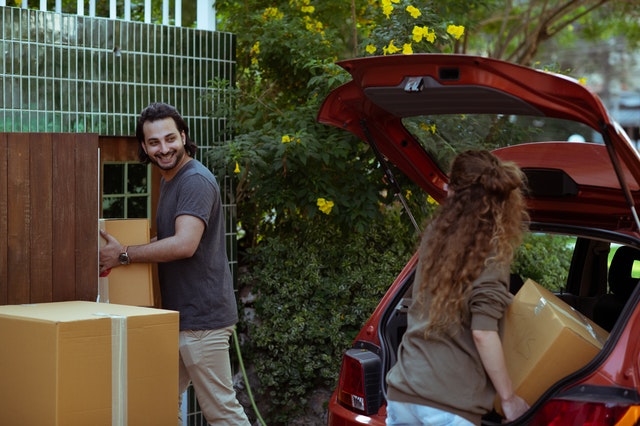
x: 444, y: 136
x: 313, y: 299
x: 614, y: 21
x: 284, y: 160
x: 323, y: 235
x: 544, y: 258
x: 403, y: 27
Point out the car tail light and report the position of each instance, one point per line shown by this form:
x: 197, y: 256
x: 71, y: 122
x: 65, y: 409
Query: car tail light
x: 562, y: 412
x: 359, y: 386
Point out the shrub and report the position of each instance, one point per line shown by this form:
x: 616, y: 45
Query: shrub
x: 544, y: 258
x: 316, y: 287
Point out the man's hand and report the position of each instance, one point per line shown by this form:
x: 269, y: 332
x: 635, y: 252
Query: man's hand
x: 109, y: 253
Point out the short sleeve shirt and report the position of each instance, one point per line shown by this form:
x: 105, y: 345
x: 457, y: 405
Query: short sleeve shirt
x: 199, y: 287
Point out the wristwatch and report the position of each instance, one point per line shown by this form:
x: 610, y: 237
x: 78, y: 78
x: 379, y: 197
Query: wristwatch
x: 124, y: 257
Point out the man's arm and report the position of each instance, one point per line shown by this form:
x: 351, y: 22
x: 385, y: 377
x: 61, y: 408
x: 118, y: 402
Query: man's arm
x: 182, y: 245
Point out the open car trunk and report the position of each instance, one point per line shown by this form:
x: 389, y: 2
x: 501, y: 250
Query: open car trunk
x: 417, y: 112
x: 598, y: 283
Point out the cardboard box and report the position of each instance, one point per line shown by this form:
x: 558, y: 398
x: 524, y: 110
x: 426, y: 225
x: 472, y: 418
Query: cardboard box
x: 131, y: 284
x: 87, y: 363
x: 545, y: 340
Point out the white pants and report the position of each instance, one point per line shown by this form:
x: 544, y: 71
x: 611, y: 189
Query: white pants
x: 204, y: 361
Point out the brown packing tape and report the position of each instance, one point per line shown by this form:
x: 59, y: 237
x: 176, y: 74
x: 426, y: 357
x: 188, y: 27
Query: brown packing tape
x: 571, y: 315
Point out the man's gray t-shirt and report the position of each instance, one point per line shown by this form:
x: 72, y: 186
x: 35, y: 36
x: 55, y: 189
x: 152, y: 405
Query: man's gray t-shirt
x: 199, y: 287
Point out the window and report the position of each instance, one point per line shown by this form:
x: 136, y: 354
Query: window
x: 126, y: 191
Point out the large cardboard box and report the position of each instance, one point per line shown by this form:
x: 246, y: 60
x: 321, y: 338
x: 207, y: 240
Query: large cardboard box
x: 545, y: 340
x: 131, y: 284
x: 88, y: 363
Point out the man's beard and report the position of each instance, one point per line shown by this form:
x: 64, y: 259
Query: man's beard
x: 178, y: 155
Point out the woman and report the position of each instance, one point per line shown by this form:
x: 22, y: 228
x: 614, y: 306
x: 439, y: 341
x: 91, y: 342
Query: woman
x: 450, y: 362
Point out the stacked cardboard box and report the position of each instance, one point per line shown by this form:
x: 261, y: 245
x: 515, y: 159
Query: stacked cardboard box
x: 87, y: 363
x: 131, y: 284
x: 545, y: 340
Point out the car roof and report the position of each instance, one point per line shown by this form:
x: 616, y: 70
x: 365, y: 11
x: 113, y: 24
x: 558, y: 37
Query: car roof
x: 574, y: 183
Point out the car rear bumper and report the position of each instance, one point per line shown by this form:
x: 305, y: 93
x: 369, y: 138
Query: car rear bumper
x: 341, y: 416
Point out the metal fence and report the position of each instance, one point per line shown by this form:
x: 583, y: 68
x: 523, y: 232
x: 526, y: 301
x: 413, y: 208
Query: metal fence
x: 205, y: 18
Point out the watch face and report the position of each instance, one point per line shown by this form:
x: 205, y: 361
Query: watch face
x: 123, y: 258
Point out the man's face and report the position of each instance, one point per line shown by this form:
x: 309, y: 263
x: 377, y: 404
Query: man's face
x: 163, y: 143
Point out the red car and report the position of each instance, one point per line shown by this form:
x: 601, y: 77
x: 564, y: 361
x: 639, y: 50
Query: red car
x: 417, y: 112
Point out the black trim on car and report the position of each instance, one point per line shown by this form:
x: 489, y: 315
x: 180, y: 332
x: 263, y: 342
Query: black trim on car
x: 363, y: 344
x: 603, y: 394
x: 580, y: 231
x: 382, y: 331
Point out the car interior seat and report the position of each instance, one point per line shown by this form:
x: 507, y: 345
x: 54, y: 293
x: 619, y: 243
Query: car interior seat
x: 621, y: 285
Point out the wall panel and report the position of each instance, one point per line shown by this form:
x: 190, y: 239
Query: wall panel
x: 49, y: 214
x: 4, y: 213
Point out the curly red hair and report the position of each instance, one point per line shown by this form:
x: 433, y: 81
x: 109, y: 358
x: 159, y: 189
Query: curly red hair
x: 482, y: 220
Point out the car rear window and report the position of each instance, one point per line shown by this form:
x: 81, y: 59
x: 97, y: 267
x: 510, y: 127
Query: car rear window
x: 444, y: 136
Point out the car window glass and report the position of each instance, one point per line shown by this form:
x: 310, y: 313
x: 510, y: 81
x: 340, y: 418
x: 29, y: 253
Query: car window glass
x: 545, y: 258
x: 444, y: 136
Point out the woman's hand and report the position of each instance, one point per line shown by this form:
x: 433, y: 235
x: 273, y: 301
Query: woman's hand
x: 513, y: 407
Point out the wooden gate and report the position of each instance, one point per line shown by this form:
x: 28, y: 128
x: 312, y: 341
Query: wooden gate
x: 49, y: 207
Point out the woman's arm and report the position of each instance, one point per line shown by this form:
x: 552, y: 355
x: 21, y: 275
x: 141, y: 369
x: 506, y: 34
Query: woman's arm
x: 490, y: 349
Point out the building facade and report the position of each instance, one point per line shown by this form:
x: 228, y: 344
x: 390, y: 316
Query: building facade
x: 68, y: 73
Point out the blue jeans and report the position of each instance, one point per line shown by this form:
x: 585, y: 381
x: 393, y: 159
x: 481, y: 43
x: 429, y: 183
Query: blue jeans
x: 405, y: 414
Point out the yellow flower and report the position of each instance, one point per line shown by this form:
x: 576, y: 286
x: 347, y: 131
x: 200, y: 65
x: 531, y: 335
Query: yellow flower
x: 413, y: 11
x: 431, y: 200
x: 428, y: 127
x: 286, y: 139
x: 417, y: 34
x: 430, y: 35
x: 309, y: 24
x: 583, y: 81
x: 237, y: 169
x: 272, y: 13
x: 387, y: 9
x: 255, y: 49
x: 455, y: 30
x: 371, y: 49
x: 308, y: 9
x: 391, y: 48
x: 408, y: 194
x: 324, y: 205
x: 406, y: 49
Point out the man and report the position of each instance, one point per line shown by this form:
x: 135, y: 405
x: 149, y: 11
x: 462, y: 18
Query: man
x: 192, y: 262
